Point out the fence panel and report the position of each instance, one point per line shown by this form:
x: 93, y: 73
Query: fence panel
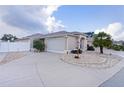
x: 14, y: 46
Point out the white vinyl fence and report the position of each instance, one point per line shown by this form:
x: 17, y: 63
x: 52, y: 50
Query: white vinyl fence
x: 14, y: 46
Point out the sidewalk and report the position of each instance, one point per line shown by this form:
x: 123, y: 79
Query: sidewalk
x: 118, y: 79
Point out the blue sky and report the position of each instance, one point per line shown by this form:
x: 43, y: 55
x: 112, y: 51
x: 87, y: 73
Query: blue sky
x: 89, y: 18
x: 23, y: 20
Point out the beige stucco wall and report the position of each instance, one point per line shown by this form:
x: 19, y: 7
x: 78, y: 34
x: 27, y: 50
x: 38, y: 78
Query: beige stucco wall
x: 85, y: 44
x: 72, y: 43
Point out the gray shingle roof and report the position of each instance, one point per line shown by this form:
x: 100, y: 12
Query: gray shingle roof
x: 62, y: 33
x: 37, y: 35
x: 54, y: 34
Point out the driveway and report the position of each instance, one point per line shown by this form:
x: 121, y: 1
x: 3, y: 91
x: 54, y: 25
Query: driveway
x: 46, y: 69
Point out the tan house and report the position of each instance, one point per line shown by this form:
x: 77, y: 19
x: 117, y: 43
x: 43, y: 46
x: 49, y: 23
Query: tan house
x: 60, y: 42
x: 64, y: 42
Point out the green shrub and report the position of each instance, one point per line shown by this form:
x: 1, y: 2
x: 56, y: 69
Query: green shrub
x: 39, y: 45
x: 122, y: 48
x: 118, y: 47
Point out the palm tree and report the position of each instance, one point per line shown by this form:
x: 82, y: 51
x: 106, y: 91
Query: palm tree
x: 102, y: 40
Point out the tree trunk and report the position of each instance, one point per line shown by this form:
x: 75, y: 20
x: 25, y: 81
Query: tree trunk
x: 101, y: 49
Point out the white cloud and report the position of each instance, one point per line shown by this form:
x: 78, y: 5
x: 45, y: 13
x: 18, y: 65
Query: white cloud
x: 25, y: 20
x: 53, y: 25
x: 51, y: 22
x: 116, y: 30
x: 50, y: 9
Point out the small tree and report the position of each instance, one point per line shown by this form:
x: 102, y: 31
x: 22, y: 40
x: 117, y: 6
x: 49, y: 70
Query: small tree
x: 39, y: 45
x: 102, y: 40
x: 8, y: 37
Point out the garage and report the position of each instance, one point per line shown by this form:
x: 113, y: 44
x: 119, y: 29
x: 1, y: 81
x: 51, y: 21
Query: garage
x: 55, y: 44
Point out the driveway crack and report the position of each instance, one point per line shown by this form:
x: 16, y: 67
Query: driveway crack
x: 38, y: 73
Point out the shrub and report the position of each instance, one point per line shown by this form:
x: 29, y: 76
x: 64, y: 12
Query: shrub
x: 76, y: 51
x: 90, y: 48
x: 123, y: 49
x: 39, y: 45
x: 118, y: 47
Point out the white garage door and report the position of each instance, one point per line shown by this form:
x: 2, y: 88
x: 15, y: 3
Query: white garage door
x: 55, y: 45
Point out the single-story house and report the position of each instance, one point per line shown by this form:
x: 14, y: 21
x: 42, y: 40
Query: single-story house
x: 62, y: 41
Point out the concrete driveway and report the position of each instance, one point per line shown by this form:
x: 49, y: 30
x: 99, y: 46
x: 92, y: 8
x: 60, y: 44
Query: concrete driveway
x: 46, y: 69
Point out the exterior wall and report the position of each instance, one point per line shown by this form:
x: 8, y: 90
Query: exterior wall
x: 82, y: 43
x: 15, y: 46
x: 31, y: 43
x: 72, y: 43
x: 85, y: 44
x: 55, y: 44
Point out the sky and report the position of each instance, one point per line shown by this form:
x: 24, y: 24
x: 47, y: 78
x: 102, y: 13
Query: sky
x: 26, y: 20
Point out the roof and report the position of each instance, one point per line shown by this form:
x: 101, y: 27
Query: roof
x: 34, y: 36
x: 63, y: 33
x: 22, y: 39
x: 54, y: 34
x: 37, y: 35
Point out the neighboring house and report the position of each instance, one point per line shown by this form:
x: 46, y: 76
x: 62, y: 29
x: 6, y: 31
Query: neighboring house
x: 63, y: 42
x: 118, y: 42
